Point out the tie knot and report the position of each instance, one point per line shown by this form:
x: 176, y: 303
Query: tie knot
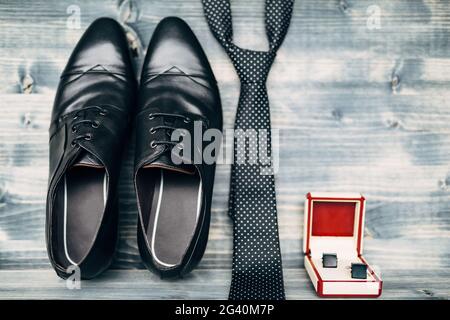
x: 251, y: 66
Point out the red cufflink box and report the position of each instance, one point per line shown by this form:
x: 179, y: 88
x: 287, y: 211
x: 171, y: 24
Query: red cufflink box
x: 334, y: 223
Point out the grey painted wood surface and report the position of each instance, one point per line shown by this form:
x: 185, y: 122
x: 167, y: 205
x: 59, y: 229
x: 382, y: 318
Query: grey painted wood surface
x: 357, y: 109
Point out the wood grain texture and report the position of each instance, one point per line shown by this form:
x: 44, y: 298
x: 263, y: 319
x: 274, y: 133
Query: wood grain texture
x: 357, y: 110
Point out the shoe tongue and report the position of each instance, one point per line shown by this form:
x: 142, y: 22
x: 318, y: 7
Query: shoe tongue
x: 164, y: 162
x: 88, y: 160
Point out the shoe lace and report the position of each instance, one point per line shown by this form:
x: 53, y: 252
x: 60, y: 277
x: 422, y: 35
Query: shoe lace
x: 80, y: 119
x: 169, y: 129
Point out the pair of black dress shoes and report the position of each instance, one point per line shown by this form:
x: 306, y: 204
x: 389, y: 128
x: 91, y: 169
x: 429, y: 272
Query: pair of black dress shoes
x: 96, y: 102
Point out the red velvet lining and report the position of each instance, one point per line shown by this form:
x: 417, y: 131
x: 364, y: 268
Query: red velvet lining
x: 333, y: 219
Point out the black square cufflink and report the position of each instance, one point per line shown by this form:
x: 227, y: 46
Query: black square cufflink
x: 359, y: 271
x: 329, y: 260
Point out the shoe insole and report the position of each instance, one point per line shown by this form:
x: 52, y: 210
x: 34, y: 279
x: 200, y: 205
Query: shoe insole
x: 83, y: 191
x: 172, y: 218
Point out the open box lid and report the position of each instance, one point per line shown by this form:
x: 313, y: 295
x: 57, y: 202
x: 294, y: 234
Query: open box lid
x: 334, y: 223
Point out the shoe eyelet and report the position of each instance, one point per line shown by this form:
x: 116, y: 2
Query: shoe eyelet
x: 103, y: 112
x: 187, y: 120
x: 74, y: 129
x: 88, y: 137
x: 153, y: 144
x: 152, y: 130
x: 95, y: 124
x: 151, y: 116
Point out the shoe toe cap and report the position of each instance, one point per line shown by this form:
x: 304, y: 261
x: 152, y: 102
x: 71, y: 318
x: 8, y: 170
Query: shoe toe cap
x: 174, y: 45
x: 103, y: 43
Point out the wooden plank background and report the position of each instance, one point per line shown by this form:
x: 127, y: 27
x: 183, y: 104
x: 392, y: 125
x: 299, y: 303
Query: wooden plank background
x: 358, y: 109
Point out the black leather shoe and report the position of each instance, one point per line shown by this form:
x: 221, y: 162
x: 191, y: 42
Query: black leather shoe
x: 89, y: 125
x: 178, y: 91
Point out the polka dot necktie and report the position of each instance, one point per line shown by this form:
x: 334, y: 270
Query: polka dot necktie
x: 257, y: 270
